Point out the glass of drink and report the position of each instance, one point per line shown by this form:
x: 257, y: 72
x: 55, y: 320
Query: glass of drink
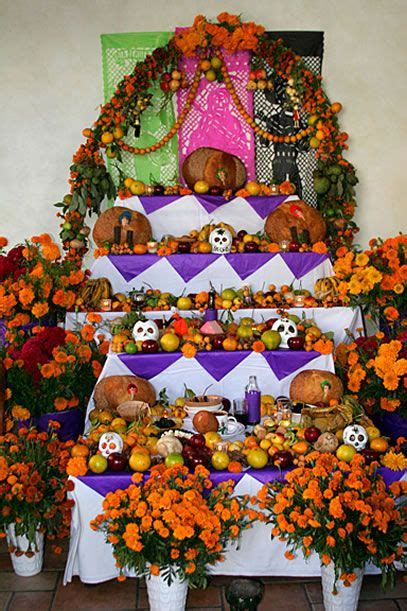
x: 240, y: 410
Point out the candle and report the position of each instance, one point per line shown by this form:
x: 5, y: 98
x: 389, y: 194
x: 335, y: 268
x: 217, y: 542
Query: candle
x: 117, y: 232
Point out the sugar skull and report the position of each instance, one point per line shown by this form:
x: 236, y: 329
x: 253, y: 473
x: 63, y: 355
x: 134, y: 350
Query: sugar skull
x: 355, y: 435
x: 287, y: 328
x: 109, y: 443
x: 145, y: 329
x: 220, y: 240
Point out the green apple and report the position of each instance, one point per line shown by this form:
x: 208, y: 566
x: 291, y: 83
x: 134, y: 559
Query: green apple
x: 294, y: 318
x: 173, y: 459
x: 244, y: 331
x: 131, y: 348
x: 228, y: 294
x: 246, y: 321
x: 271, y: 339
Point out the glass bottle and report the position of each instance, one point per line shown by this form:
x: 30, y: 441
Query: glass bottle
x: 211, y: 312
x: 252, y: 398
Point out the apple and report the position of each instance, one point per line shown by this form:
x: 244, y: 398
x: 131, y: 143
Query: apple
x: 184, y: 247
x: 197, y: 441
x: 271, y: 339
x: 117, y: 461
x: 149, y: 346
x: 294, y: 317
x: 247, y: 321
x: 311, y: 434
x: 282, y: 459
x: 294, y: 246
x: 370, y: 455
x: 251, y: 247
x: 296, y: 343
x: 173, y: 459
x: 215, y: 190
x: 217, y: 341
x: 270, y: 322
x: 244, y: 331
x: 241, y: 234
x: 158, y: 190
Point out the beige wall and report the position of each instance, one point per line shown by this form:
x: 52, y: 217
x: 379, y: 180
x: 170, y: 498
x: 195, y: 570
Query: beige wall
x: 51, y: 85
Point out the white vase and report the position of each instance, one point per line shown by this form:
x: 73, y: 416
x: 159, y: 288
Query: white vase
x: 347, y: 598
x: 23, y: 565
x: 163, y: 597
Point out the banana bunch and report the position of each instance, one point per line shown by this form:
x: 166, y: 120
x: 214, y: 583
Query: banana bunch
x: 325, y: 287
x: 206, y: 230
x: 93, y: 291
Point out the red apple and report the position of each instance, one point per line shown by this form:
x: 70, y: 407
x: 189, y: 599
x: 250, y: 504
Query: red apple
x: 251, y: 247
x: 296, y: 343
x: 117, y: 461
x: 270, y: 322
x: 282, y: 459
x: 311, y: 434
x: 370, y: 455
x: 215, y: 190
x: 197, y: 441
x: 241, y: 234
x: 294, y: 246
x: 184, y: 247
x: 149, y: 346
x: 217, y: 341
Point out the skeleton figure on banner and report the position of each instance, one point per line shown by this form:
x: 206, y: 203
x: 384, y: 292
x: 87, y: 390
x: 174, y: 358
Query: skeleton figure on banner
x: 282, y: 121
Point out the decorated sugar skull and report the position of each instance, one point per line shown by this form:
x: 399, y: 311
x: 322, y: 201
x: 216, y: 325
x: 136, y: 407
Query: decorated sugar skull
x: 287, y: 328
x: 355, y: 435
x: 109, y: 443
x: 145, y: 329
x: 220, y: 240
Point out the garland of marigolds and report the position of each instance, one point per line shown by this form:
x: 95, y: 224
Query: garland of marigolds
x: 334, y: 179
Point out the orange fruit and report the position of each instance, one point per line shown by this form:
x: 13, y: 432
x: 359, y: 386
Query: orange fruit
x: 138, y: 449
x: 373, y: 432
x: 235, y: 467
x: 79, y: 449
x: 250, y: 442
x: 107, y: 138
x: 210, y: 75
x: 265, y: 444
x: 118, y: 133
x: 87, y: 132
x: 380, y: 444
x: 128, y: 182
x: 97, y: 463
x: 257, y: 458
x: 211, y: 438
x: 314, y: 142
x: 204, y: 247
x: 253, y: 187
x: 205, y: 65
x: 336, y: 107
x: 139, y: 461
x: 169, y: 342
x: 220, y: 461
x: 345, y: 452
x: 137, y: 187
x: 140, y: 249
x: 229, y: 344
x: 300, y: 447
x: 201, y: 186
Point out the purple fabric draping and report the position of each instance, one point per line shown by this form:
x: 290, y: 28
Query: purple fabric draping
x: 149, y: 365
x: 262, y: 205
x: 218, y: 363
x: 391, y: 424
x: 71, y: 422
x: 156, y: 202
x: 131, y: 266
x: 300, y: 263
x: 190, y: 265
x: 109, y: 481
x: 285, y: 362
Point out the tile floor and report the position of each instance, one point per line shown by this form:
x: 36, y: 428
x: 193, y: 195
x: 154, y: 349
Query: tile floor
x: 45, y: 592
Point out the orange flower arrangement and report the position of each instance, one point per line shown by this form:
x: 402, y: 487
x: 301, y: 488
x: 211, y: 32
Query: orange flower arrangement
x: 34, y: 483
x: 341, y: 511
x: 375, y: 279
x: 376, y: 369
x: 175, y: 523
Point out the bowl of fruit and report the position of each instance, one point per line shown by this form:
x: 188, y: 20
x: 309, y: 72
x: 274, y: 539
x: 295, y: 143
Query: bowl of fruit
x: 209, y: 403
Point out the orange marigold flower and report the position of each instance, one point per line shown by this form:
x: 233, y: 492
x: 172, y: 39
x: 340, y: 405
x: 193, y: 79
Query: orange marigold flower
x: 88, y: 332
x: 330, y: 541
x: 40, y: 309
x: 51, y: 251
x: 94, y: 317
x: 188, y: 350
x: 289, y: 555
x: 20, y: 413
x: 258, y: 346
x: 26, y: 296
x: 320, y: 248
x: 77, y: 466
x: 154, y: 569
x: 3, y: 242
x: 391, y: 313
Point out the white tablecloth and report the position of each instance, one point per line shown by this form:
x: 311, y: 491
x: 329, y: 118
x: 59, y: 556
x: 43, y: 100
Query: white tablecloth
x: 196, y: 377
x: 258, y: 555
x: 327, y: 319
x: 186, y: 213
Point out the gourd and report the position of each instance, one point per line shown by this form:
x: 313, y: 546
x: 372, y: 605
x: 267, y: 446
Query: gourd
x: 168, y: 444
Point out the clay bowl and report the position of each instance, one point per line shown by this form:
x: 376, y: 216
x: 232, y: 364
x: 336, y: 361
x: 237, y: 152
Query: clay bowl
x: 213, y: 403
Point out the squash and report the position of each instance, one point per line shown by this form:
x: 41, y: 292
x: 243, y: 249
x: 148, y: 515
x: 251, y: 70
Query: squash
x: 216, y: 167
x: 298, y: 214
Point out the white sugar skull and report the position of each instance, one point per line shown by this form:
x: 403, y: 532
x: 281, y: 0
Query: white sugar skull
x: 220, y: 240
x: 356, y: 436
x: 287, y: 328
x: 109, y: 443
x: 145, y: 329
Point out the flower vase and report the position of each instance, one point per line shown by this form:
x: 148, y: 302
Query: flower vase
x: 23, y: 565
x: 347, y: 597
x: 164, y: 597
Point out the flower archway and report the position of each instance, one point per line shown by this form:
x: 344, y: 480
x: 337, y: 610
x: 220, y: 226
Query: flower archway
x: 206, y: 41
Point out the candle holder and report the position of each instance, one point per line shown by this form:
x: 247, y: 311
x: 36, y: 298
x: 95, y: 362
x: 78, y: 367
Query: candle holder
x: 152, y: 247
x: 284, y: 245
x: 299, y: 301
x: 105, y: 305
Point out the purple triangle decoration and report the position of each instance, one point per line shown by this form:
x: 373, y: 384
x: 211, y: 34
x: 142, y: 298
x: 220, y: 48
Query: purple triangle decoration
x: 264, y: 476
x: 107, y: 482
x: 211, y: 202
x: 189, y: 266
x: 156, y: 202
x: 284, y: 362
x: 130, y: 266
x: 300, y: 263
x: 246, y: 264
x: 217, y: 477
x: 149, y: 365
x: 219, y: 363
x: 264, y: 205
